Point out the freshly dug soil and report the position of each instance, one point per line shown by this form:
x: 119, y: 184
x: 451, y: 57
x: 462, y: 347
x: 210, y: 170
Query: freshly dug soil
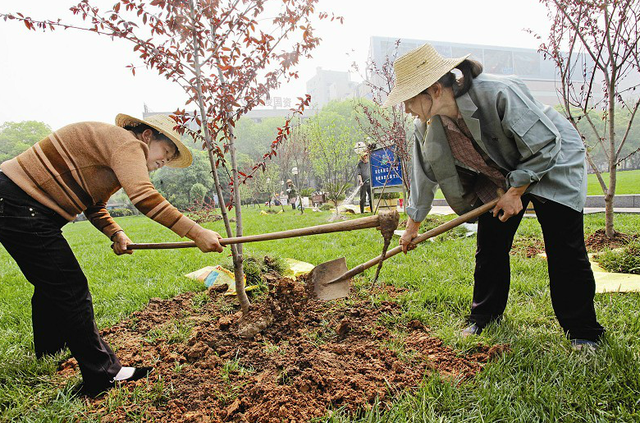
x: 599, y: 241
x: 308, y: 358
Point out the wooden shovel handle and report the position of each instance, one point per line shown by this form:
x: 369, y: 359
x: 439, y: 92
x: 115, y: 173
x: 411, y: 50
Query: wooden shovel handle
x: 420, y: 238
x: 349, y: 225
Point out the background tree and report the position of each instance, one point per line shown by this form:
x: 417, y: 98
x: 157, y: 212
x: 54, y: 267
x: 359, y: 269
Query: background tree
x: 254, y: 138
x: 16, y: 137
x: 175, y: 184
x: 595, y: 45
x: 198, y: 193
x: 227, y: 56
x: 387, y: 127
x: 332, y: 134
x: 295, y: 152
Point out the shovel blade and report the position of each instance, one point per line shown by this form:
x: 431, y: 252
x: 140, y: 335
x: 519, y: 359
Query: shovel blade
x: 323, y: 273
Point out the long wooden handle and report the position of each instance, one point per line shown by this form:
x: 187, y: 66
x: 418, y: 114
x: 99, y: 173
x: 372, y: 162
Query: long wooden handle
x: 349, y: 225
x: 420, y: 238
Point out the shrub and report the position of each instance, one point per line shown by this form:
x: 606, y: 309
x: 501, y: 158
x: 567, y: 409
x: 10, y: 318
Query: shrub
x: 326, y: 207
x: 388, y: 195
x: 255, y: 267
x: 625, y: 261
x: 306, y: 192
x: 120, y: 212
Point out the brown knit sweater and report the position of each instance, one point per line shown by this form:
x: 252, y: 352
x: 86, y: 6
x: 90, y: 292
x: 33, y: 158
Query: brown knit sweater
x: 77, y: 168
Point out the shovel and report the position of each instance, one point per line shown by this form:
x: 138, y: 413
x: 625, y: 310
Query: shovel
x: 330, y: 280
x: 349, y: 225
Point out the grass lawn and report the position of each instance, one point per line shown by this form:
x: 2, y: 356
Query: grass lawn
x: 541, y: 379
x: 627, y: 182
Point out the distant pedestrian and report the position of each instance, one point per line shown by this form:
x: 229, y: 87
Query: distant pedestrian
x: 363, y: 173
x: 485, y: 132
x: 75, y: 170
x: 292, y: 194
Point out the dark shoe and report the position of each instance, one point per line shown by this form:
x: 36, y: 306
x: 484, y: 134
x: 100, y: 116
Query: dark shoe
x: 97, y: 391
x: 472, y: 329
x: 584, y: 345
x: 138, y: 373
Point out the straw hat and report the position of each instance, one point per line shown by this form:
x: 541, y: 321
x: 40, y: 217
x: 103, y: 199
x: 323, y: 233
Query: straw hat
x: 418, y: 70
x: 165, y: 125
x: 360, y: 147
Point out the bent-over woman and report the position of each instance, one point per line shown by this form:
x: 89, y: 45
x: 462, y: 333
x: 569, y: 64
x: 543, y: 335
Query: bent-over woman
x: 74, y: 170
x: 481, y: 133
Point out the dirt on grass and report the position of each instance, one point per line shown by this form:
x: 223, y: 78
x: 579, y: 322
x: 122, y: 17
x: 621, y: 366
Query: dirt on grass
x: 599, y: 241
x: 308, y: 359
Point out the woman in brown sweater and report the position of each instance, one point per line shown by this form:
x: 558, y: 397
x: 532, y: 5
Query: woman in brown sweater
x: 76, y: 169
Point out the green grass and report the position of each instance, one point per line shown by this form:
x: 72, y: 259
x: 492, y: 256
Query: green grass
x: 627, y: 182
x: 541, y: 379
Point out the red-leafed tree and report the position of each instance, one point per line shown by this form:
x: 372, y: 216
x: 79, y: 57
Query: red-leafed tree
x: 389, y: 127
x: 227, y: 55
x: 594, y: 44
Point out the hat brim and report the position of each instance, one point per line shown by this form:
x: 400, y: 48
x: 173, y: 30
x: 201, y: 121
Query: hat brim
x: 405, y: 91
x: 184, y: 159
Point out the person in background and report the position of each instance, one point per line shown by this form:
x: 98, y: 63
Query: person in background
x: 363, y: 173
x: 75, y: 170
x: 481, y: 133
x: 292, y: 194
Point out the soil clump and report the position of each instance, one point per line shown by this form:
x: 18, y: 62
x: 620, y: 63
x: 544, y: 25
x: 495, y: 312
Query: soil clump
x: 599, y: 241
x: 306, y: 358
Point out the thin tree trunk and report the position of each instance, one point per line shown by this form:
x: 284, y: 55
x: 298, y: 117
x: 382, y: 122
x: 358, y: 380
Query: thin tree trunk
x: 609, y: 213
x: 236, y: 250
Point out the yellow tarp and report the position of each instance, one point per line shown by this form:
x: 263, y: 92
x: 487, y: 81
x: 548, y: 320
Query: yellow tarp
x: 609, y: 281
x: 218, y: 276
x: 297, y: 267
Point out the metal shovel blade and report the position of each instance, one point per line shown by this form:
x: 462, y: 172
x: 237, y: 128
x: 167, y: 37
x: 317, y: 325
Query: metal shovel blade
x: 323, y: 273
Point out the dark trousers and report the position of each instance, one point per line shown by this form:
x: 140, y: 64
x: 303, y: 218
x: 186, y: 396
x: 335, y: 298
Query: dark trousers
x: 571, y: 279
x: 62, y: 311
x: 365, y: 191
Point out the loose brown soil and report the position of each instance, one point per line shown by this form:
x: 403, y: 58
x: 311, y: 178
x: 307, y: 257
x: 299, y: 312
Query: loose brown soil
x: 599, y: 241
x: 309, y: 358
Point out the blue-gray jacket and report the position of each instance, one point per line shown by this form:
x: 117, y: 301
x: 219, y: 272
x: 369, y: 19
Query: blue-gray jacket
x: 532, y: 143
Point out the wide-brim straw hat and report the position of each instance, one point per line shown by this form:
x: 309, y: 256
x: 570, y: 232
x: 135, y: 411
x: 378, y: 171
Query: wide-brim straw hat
x: 360, y: 147
x: 165, y: 125
x: 418, y: 70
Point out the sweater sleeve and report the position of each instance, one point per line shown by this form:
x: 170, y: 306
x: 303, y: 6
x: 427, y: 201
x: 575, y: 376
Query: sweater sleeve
x: 99, y: 217
x: 128, y: 162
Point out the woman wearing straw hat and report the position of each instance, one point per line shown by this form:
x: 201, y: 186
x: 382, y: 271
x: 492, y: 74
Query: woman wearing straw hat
x: 76, y: 169
x: 482, y: 133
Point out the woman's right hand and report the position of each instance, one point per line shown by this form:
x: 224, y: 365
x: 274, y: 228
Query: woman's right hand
x: 205, y: 239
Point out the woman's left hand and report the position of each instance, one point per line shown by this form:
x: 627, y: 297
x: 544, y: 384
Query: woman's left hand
x: 510, y: 204
x: 120, y: 243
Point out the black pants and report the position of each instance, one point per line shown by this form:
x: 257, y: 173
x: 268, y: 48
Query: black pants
x: 572, y: 283
x: 365, y: 191
x: 62, y: 310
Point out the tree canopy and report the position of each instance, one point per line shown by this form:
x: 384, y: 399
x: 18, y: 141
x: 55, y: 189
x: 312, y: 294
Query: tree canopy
x: 16, y: 137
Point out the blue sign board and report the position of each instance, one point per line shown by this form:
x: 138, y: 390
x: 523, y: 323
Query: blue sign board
x: 385, y: 168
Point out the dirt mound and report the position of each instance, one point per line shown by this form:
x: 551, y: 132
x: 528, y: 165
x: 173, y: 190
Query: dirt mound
x: 308, y: 358
x: 599, y: 241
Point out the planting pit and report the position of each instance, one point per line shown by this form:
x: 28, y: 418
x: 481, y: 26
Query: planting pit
x: 308, y: 359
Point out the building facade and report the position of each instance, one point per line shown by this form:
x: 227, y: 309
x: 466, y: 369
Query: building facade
x: 538, y: 73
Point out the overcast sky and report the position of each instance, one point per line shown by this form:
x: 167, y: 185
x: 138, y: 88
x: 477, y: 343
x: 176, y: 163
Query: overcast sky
x: 66, y: 76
